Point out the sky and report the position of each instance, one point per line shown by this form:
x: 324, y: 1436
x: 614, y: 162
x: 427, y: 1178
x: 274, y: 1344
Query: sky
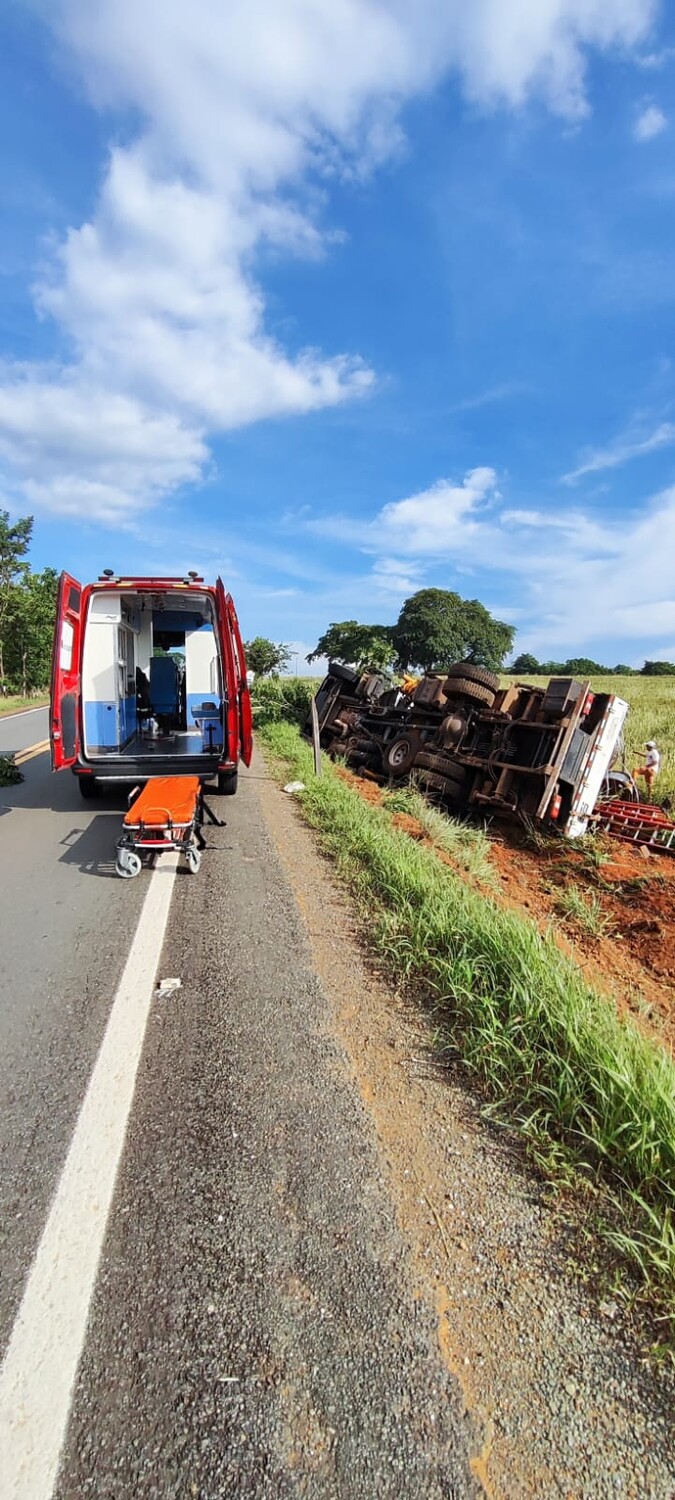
x: 345, y: 298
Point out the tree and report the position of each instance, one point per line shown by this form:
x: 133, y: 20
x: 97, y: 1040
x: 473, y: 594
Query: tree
x: 14, y: 544
x: 621, y: 670
x: 658, y: 669
x: 437, y: 627
x: 525, y: 665
x: 553, y: 669
x: 30, y: 629
x: 357, y: 645
x: 584, y: 666
x: 264, y: 658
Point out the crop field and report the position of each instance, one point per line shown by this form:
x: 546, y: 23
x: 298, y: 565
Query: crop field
x: 651, y: 717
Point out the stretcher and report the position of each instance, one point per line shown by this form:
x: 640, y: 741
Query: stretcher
x: 166, y: 814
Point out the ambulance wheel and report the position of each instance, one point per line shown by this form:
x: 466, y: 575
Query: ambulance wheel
x: 194, y: 859
x: 227, y: 783
x: 88, y: 787
x: 127, y: 864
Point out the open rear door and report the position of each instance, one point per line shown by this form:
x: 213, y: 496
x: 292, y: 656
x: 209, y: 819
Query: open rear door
x: 230, y: 627
x: 64, y: 722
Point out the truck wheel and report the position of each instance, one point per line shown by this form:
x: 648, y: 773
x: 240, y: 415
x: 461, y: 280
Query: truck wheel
x: 443, y: 786
x: 399, y: 755
x: 441, y: 763
x: 463, y: 687
x: 471, y: 673
x: 227, y: 783
x: 88, y: 787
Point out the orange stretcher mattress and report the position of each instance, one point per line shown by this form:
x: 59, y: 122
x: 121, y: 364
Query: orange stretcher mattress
x: 167, y: 799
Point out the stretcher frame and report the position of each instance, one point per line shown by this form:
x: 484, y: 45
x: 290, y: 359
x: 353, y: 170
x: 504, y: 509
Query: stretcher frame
x: 165, y: 831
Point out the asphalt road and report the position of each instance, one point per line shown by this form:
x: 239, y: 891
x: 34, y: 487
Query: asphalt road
x: 252, y: 1330
x: 66, y: 922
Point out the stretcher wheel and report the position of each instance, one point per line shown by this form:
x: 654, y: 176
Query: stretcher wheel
x: 127, y: 864
x: 194, y: 859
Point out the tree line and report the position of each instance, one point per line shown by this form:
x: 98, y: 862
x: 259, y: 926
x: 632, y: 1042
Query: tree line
x: 527, y: 665
x: 27, y: 612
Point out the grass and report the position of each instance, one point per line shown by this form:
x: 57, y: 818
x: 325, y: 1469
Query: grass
x: 584, y: 909
x: 585, y: 1086
x: 12, y: 703
x: 282, y: 698
x: 466, y: 844
x: 651, y: 717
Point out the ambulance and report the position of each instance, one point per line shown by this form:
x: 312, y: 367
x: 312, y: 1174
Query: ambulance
x: 148, y: 679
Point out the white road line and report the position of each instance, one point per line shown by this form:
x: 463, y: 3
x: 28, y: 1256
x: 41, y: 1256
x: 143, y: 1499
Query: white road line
x: 38, y: 1373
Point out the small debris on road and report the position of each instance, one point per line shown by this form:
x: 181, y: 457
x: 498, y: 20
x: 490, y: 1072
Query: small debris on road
x: 294, y: 786
x: 167, y: 987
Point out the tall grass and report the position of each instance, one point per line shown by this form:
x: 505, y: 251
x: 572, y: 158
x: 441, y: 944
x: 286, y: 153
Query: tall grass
x: 277, y: 699
x: 553, y: 1055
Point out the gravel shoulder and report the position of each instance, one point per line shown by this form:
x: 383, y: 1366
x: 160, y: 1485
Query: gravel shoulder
x: 560, y: 1399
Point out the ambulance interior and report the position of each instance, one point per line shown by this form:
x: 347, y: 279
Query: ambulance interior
x: 152, y: 679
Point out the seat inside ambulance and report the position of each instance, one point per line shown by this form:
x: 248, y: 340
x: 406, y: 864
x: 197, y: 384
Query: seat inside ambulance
x: 151, y: 676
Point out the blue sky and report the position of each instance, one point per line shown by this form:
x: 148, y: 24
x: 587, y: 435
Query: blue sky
x: 343, y: 298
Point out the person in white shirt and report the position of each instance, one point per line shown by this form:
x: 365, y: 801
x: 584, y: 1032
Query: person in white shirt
x: 652, y: 765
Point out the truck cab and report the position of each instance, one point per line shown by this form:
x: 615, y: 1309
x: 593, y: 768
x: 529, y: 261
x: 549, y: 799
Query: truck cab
x: 148, y: 679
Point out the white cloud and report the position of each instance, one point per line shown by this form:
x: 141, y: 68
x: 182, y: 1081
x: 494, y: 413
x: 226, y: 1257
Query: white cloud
x: 241, y: 109
x: 598, y: 580
x: 624, y: 448
x: 650, y: 123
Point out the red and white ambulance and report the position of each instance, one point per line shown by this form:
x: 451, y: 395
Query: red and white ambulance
x: 148, y: 679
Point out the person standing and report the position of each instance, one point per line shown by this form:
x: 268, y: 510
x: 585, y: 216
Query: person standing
x: 652, y: 765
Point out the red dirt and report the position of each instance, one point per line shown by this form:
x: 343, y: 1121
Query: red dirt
x: 633, y: 962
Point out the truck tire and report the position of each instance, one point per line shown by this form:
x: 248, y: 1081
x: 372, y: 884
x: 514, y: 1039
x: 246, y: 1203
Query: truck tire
x: 88, y: 787
x: 227, y: 783
x: 445, y: 767
x: 463, y: 687
x: 432, y: 782
x: 343, y: 674
x: 399, y: 756
x: 472, y: 673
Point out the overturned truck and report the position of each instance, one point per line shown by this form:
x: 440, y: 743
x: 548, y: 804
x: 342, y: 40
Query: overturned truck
x: 541, y: 754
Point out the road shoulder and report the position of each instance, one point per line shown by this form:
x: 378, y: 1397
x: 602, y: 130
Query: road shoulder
x: 578, y: 1412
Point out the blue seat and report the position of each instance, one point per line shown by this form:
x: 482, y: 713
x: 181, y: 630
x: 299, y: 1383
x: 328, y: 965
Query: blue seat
x: 164, y: 687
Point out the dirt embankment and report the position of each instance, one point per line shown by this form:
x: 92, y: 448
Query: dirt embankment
x: 630, y: 954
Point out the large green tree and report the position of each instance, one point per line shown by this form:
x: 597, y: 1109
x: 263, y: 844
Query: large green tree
x: 14, y: 544
x: 357, y: 645
x: 265, y: 658
x: 437, y: 627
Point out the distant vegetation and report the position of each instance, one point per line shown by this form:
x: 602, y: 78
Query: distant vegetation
x: 27, y: 611
x: 266, y: 658
x: 527, y: 665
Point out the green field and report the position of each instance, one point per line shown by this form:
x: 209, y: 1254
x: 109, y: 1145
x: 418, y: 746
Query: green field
x: 651, y: 717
